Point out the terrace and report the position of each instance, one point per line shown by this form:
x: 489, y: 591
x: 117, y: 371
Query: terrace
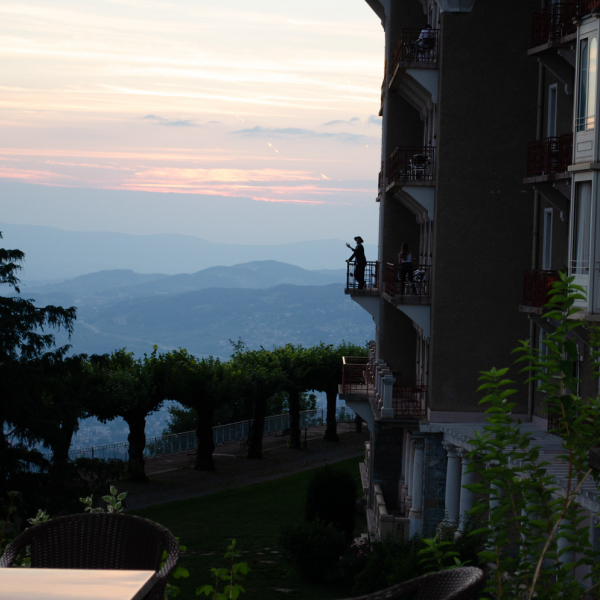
x: 549, y: 159
x: 371, y: 279
x: 399, y: 289
x: 412, y: 165
x: 409, y: 399
x: 554, y: 25
x: 416, y: 48
x: 536, y: 285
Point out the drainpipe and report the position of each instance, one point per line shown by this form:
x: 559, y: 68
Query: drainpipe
x: 536, y: 221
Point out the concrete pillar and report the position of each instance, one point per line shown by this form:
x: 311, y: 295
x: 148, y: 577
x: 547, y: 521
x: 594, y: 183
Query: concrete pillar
x: 562, y: 543
x: 453, y: 479
x: 387, y: 410
x: 466, y: 497
x: 416, y: 510
x: 410, y: 465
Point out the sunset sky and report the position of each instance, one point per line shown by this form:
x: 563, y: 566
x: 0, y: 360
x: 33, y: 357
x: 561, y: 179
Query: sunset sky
x: 265, y: 101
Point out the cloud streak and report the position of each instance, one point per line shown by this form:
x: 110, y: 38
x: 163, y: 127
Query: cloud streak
x: 295, y: 133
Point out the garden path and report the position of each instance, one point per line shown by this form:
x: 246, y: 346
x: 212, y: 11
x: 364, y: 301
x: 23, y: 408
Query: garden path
x: 173, y: 477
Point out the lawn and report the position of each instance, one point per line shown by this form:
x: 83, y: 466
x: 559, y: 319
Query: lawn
x: 254, y: 516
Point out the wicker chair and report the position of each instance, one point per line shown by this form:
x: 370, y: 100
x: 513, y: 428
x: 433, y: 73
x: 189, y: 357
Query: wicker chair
x: 454, y: 584
x: 99, y: 541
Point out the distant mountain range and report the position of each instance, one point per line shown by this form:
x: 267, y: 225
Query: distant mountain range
x: 53, y: 254
x: 265, y: 303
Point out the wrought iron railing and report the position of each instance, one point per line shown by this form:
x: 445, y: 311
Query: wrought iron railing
x: 358, y: 374
x: 536, y: 285
x: 550, y: 156
x: 367, y: 280
x: 399, y: 282
x: 555, y: 21
x: 409, y: 399
x: 412, y: 163
x: 417, y: 46
x: 222, y: 434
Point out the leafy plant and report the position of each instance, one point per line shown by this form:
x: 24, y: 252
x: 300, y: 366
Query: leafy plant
x: 536, y: 532
x: 314, y: 548
x: 228, y: 577
x: 114, y: 502
x: 331, y: 497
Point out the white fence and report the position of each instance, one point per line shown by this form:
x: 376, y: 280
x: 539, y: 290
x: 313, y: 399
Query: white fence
x: 222, y: 434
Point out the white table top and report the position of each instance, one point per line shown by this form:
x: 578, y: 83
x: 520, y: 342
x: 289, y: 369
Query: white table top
x: 74, y: 584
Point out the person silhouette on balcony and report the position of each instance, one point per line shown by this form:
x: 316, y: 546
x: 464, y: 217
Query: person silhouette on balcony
x: 425, y: 43
x: 405, y: 260
x: 358, y: 254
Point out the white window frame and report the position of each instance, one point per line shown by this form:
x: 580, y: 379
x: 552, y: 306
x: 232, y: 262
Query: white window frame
x: 547, y: 239
x: 551, y: 125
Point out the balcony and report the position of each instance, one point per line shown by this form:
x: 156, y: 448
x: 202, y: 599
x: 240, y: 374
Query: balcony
x: 417, y: 48
x: 403, y: 291
x: 552, y: 24
x: 358, y: 376
x: 409, y: 399
x: 411, y: 165
x: 354, y: 283
x: 549, y: 159
x: 536, y: 285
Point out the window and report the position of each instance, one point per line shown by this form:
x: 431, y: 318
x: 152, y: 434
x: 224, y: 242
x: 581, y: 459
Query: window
x: 552, y: 104
x: 580, y: 249
x: 547, y: 241
x: 588, y: 70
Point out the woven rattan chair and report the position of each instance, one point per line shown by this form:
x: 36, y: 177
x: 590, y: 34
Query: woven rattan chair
x: 99, y: 541
x: 454, y: 584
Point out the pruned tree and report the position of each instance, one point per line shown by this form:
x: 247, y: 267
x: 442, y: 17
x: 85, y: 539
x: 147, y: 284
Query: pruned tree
x: 326, y: 375
x: 258, y: 377
x: 130, y: 388
x: 202, y: 384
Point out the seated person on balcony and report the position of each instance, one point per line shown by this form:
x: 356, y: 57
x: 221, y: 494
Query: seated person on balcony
x: 358, y: 253
x: 406, y: 268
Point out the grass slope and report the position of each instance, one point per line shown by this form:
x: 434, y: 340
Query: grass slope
x: 254, y: 516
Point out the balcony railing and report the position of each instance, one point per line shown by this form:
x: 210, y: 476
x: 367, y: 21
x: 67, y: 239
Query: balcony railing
x: 398, y: 282
x: 358, y: 375
x: 409, y: 399
x: 551, y: 155
x: 536, y: 285
x: 417, y: 46
x: 411, y: 163
x: 555, y: 21
x: 370, y: 276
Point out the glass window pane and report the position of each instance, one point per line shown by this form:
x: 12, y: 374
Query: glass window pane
x: 583, y: 82
x: 580, y: 258
x: 592, y: 82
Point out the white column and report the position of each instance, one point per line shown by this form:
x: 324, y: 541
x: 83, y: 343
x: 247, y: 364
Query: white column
x: 416, y: 510
x: 387, y: 410
x: 453, y: 477
x: 466, y: 497
x: 411, y: 469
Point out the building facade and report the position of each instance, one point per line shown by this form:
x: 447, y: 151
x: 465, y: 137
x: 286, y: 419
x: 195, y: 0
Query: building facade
x: 489, y: 174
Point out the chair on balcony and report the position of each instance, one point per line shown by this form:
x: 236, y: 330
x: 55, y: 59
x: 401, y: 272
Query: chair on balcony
x: 99, y: 541
x: 453, y: 584
x: 419, y: 166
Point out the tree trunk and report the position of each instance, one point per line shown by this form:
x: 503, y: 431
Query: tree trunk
x: 258, y: 428
x: 358, y: 423
x: 295, y: 433
x: 60, y: 451
x: 331, y: 431
x: 137, y: 444
x: 206, y: 445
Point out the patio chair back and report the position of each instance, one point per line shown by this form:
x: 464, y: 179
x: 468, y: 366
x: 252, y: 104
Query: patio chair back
x: 98, y: 541
x: 453, y: 584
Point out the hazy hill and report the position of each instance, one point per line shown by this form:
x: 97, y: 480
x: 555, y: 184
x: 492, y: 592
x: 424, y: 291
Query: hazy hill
x: 98, y: 288
x: 54, y: 254
x: 204, y: 321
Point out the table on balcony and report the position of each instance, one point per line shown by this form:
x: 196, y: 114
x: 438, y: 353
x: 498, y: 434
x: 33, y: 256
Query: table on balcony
x: 76, y: 584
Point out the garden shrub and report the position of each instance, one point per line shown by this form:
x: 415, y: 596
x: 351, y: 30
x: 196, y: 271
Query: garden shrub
x: 331, y: 498
x: 314, y: 549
